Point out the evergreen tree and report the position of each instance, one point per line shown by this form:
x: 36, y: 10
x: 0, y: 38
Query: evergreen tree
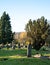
x: 0, y: 31
x: 5, y: 28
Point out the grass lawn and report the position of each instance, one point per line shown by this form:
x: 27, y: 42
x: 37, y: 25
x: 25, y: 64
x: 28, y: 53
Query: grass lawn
x: 19, y: 57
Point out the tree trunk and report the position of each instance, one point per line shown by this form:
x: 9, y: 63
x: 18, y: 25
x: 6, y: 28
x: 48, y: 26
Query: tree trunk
x: 29, y: 50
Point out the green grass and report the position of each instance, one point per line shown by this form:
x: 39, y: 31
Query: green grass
x: 25, y: 61
x: 18, y: 57
x: 10, y: 52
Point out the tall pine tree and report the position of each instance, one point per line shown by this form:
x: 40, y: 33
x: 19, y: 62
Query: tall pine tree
x: 5, y: 29
x: 0, y: 32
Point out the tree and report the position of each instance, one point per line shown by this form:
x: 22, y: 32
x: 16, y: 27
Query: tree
x: 5, y: 29
x: 29, y: 46
x: 48, y: 38
x: 37, y: 30
x: 0, y: 31
x: 29, y: 39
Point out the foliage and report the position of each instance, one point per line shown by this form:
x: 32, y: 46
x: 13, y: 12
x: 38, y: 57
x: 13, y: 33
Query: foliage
x: 5, y: 29
x: 37, y: 30
x: 0, y: 31
x: 48, y: 39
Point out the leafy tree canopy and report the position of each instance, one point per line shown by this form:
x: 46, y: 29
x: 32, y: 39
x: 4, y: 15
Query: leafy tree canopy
x: 37, y: 30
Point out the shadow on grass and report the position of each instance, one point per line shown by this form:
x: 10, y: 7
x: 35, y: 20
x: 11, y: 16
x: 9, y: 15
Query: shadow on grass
x: 3, y: 59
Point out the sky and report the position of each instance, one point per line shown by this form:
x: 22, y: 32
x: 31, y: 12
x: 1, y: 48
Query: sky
x: 20, y: 11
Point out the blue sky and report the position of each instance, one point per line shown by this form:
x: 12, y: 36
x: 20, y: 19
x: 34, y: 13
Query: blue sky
x: 20, y: 11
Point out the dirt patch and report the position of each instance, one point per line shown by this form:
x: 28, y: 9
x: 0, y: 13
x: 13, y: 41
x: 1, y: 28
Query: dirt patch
x: 42, y: 57
x: 37, y: 55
